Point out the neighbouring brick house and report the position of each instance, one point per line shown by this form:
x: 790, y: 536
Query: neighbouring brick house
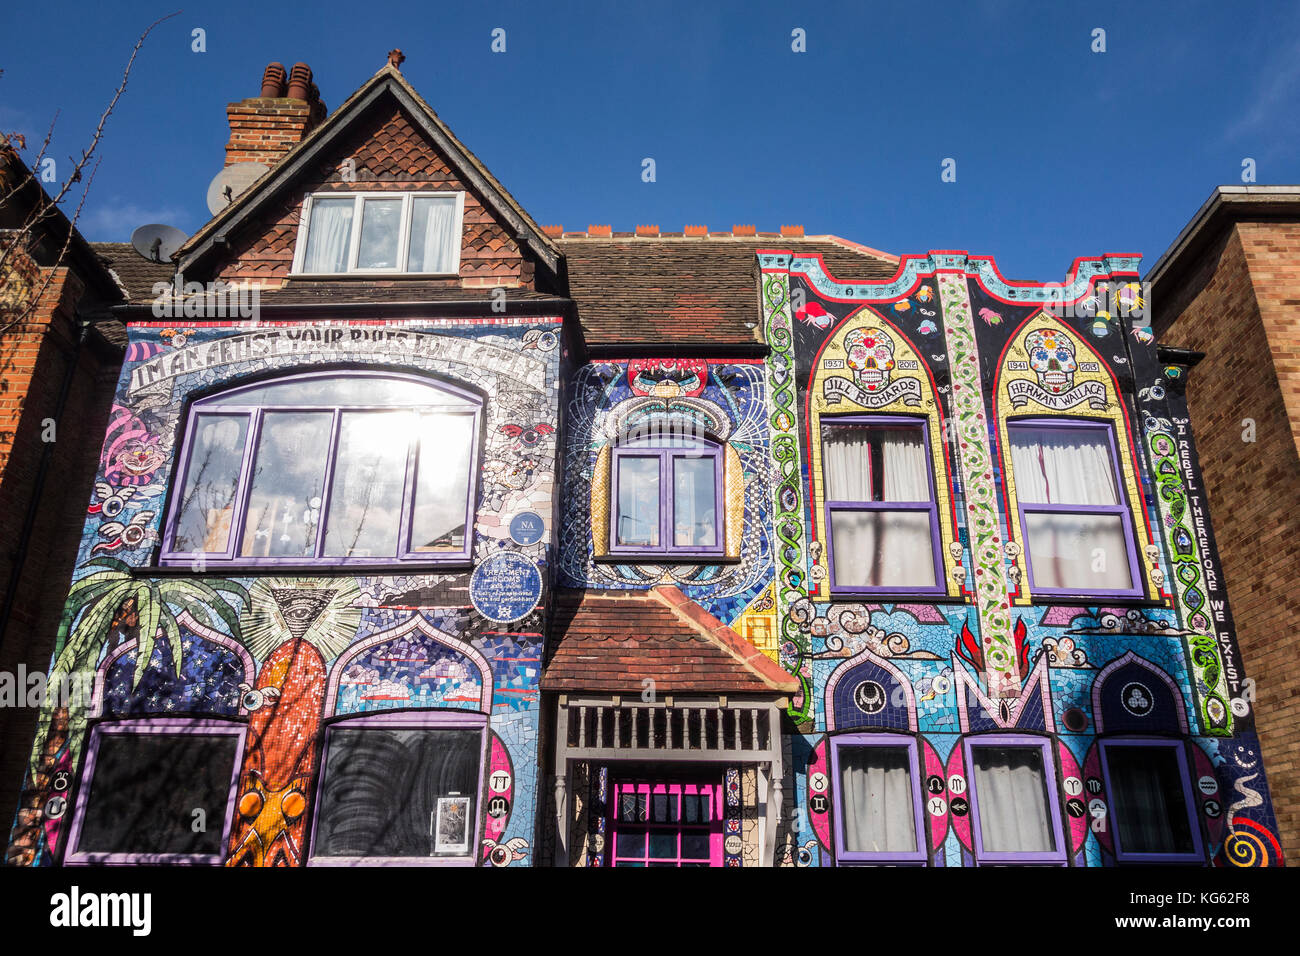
x: 482, y: 543
x: 59, y: 361
x: 1229, y: 287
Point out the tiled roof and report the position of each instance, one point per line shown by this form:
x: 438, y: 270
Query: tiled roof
x: 611, y: 641
x: 135, y: 274
x: 661, y: 289
x: 313, y: 291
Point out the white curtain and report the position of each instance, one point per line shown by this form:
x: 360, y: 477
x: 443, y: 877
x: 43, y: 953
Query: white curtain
x: 694, y: 502
x: 846, y: 464
x: 1063, y: 466
x: 876, y: 800
x: 906, y: 474
x: 328, y: 236
x: 878, y: 547
x: 439, y: 235
x: 1012, y: 796
x: 1070, y: 467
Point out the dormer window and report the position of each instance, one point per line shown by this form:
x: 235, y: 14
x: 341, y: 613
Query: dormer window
x: 406, y: 233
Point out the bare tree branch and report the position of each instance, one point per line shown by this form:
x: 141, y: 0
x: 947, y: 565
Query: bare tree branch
x: 47, y: 208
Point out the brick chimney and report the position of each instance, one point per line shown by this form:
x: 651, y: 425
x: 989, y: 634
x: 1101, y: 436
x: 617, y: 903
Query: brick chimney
x: 265, y: 127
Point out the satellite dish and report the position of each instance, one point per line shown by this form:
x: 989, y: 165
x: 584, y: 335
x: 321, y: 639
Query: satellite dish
x: 230, y: 182
x: 157, y: 242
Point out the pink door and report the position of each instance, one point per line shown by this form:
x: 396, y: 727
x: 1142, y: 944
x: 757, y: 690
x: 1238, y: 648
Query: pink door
x: 666, y: 823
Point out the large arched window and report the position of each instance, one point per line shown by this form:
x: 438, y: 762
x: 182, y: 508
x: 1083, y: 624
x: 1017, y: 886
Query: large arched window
x: 326, y: 468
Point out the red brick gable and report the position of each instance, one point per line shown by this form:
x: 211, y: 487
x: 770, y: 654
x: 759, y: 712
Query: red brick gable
x: 612, y: 641
x: 388, y: 153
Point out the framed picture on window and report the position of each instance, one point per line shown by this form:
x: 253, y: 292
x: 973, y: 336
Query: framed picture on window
x: 452, y: 825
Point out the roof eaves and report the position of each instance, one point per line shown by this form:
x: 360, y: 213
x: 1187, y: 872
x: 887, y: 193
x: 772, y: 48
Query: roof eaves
x: 390, y: 80
x: 710, y: 628
x: 1225, y: 204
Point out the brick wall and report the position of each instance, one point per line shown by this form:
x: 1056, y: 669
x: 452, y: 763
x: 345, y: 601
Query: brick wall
x: 34, y: 361
x: 264, y: 129
x: 1239, y: 306
x: 388, y: 153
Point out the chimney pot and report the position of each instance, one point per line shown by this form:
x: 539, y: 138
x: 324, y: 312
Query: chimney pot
x: 263, y: 129
x: 696, y: 230
x: 792, y: 231
x: 742, y: 230
x: 647, y: 230
x: 273, y: 81
x: 599, y: 230
x: 300, y: 82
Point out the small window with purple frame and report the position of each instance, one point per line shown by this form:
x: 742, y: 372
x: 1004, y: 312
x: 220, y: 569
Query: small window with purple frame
x: 1015, y: 813
x: 1151, y: 802
x: 1074, y: 516
x: 877, y: 800
x: 881, y: 517
x: 667, y: 495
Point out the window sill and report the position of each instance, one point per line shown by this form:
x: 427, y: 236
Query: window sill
x: 894, y: 597
x: 373, y: 274
x: 661, y: 558
x: 1039, y: 599
x: 215, y: 569
x: 392, y: 861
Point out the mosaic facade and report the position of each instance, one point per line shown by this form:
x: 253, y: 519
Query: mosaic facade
x: 375, y: 698
x: 986, y: 660
x: 279, y: 659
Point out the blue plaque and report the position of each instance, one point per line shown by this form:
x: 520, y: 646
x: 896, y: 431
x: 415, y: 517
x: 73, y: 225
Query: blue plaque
x: 505, y: 587
x: 527, y: 528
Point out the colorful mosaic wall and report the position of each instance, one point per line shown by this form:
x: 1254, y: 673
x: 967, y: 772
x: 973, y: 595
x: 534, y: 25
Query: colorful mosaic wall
x: 983, y: 658
x: 277, y: 657
x: 724, y: 402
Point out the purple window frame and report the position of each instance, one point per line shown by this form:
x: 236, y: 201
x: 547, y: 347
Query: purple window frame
x: 1122, y: 509
x: 1197, y: 855
x: 918, y: 857
x: 170, y: 726
x: 226, y: 403
x: 405, y: 720
x: 932, y: 506
x: 1057, y: 857
x: 667, y: 458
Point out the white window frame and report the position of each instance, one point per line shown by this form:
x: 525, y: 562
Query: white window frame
x: 354, y: 240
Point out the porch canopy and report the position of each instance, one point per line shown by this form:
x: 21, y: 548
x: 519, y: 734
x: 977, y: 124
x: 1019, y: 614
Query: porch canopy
x: 650, y: 677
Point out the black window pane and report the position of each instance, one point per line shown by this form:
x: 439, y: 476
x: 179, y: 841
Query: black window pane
x: 695, y: 846
x: 630, y: 843
x: 146, y: 788
x: 690, y: 808
x: 1150, y: 809
x: 660, y: 804
x: 398, y: 793
x: 663, y: 844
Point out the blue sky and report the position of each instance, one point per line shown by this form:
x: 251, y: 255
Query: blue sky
x: 1060, y: 151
